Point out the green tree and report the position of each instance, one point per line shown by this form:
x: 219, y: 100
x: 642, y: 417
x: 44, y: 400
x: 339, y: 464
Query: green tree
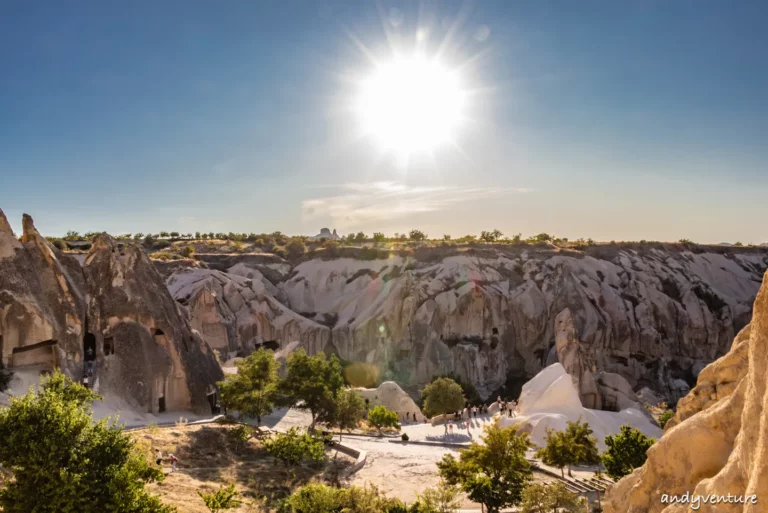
x: 293, y: 447
x: 223, y: 498
x: 493, y: 473
x: 380, y: 417
x: 491, y: 236
x: 360, y: 237
x: 61, y: 460
x: 311, y: 382
x: 442, y: 396
x: 467, y: 388
x: 574, y: 446
x: 346, y: 411
x: 557, y: 451
x: 625, y: 451
x: 378, y: 237
x: 444, y: 498
x: 254, y: 390
x: 554, y: 498
x: 197, y: 235
x: 417, y: 235
x: 446, y: 237
x: 295, y: 248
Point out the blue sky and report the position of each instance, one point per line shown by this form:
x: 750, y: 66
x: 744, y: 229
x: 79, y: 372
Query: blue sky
x: 610, y: 120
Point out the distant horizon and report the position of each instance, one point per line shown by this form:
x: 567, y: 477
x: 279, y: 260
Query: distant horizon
x: 505, y: 237
x: 613, y: 121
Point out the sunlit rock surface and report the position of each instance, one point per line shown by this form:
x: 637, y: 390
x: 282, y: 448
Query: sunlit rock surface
x: 716, y: 443
x: 115, y: 310
x: 653, y: 315
x: 551, y: 400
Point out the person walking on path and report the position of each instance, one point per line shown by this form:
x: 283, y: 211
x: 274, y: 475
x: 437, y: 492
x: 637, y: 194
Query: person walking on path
x: 159, y: 459
x: 174, y: 460
x: 469, y: 423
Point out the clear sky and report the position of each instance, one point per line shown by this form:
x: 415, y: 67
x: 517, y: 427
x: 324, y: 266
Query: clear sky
x: 612, y: 120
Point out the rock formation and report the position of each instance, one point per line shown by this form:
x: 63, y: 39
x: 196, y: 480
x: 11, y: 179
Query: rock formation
x: 716, y: 443
x: 597, y: 390
x: 237, y: 314
x: 654, y: 315
x: 390, y: 395
x: 551, y: 400
x: 114, y: 311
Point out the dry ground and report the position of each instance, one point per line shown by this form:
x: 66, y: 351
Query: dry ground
x: 209, y: 459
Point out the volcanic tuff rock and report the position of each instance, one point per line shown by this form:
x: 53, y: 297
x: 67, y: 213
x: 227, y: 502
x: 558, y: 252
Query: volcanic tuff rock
x: 717, y: 443
x: 53, y: 312
x: 654, y: 315
x: 240, y: 313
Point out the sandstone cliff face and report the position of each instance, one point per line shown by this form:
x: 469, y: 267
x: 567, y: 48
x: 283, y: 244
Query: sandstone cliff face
x: 114, y: 309
x: 655, y: 317
x: 716, y: 445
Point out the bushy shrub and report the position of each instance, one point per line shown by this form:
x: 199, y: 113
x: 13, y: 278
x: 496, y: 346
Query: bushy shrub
x: 319, y: 498
x: 224, y: 498
x: 417, y: 235
x: 60, y: 244
x: 664, y: 418
x: 164, y: 255
x: 188, y: 252
x: 295, y: 248
x: 404, y: 437
x: 293, y: 447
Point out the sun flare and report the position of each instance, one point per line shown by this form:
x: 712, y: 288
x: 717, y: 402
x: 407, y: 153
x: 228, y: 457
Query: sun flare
x: 411, y: 105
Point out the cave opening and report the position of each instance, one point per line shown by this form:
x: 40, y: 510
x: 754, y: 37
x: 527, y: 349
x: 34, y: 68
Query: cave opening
x: 161, y: 405
x: 109, y: 346
x: 89, y: 347
x: 272, y: 345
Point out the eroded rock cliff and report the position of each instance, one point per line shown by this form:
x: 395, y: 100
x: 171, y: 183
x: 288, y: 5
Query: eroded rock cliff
x: 114, y: 311
x: 654, y: 315
x: 716, y: 443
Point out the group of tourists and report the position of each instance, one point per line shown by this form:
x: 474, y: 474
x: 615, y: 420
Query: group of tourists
x: 507, y: 408
x: 173, y: 459
x: 411, y: 417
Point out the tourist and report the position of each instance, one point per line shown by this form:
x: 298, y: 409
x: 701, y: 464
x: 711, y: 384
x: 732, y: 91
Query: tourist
x: 450, y: 428
x: 85, y: 380
x: 159, y: 459
x: 174, y: 460
x: 469, y: 423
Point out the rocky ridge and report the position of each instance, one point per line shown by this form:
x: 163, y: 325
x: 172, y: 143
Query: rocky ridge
x: 653, y: 316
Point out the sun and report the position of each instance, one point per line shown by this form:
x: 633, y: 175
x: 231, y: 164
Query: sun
x: 411, y: 105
